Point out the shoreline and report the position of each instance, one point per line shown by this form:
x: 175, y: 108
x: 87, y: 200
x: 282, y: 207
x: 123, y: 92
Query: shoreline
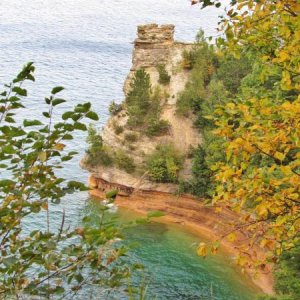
x: 194, y: 216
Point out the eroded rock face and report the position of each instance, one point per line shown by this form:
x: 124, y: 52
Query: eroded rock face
x: 154, y: 45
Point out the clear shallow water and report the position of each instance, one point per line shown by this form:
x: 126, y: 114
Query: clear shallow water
x: 85, y: 46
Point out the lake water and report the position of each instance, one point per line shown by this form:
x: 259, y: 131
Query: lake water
x: 85, y: 45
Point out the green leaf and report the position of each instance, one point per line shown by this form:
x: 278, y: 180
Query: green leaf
x: 87, y: 105
x: 67, y: 115
x: 6, y: 182
x: 80, y: 126
x: 9, y: 120
x: 8, y: 149
x: 67, y: 137
x: 28, y: 123
x: 79, y: 278
x: 57, y: 89
x: 13, y: 99
x: 46, y: 114
x: 58, y: 101
x: 92, y: 115
x: 19, y: 91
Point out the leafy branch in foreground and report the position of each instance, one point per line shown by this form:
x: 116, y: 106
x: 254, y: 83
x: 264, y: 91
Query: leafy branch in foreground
x: 261, y: 127
x: 48, y: 261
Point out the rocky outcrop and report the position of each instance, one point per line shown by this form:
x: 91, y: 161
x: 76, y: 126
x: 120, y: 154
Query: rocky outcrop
x: 154, y: 45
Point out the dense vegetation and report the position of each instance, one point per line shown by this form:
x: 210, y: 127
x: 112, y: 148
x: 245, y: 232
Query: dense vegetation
x: 287, y: 275
x: 259, y: 128
x: 51, y: 260
x: 207, y: 89
x: 164, y: 164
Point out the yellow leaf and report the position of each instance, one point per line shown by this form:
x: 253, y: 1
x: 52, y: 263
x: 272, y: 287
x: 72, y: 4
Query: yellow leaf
x: 42, y: 156
x: 218, y: 209
x: 279, y: 156
x: 59, y: 146
x: 262, y: 210
x: 202, y: 250
x: 231, y: 237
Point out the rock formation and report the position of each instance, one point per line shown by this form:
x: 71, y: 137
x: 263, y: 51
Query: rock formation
x: 154, y: 45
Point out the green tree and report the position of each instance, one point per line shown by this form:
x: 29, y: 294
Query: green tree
x: 164, y: 164
x: 47, y: 261
x: 138, y: 98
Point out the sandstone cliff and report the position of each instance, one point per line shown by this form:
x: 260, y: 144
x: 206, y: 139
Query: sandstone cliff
x: 153, y: 46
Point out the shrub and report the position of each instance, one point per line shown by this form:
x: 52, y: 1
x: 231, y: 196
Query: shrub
x: 188, y: 59
x: 93, y: 139
x: 96, y: 153
x: 112, y: 194
x: 131, y: 137
x: 164, y: 164
x: 118, y: 129
x: 164, y: 77
x: 157, y: 127
x: 99, y: 158
x: 114, y: 108
x: 124, y: 162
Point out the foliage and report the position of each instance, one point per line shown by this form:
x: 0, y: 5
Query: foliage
x: 96, y: 152
x: 123, y: 161
x: 203, y: 94
x: 145, y: 117
x: 201, y: 183
x: 287, y: 276
x: 138, y: 98
x: 261, y: 127
x: 131, y: 137
x: 157, y: 127
x: 203, y: 67
x: 114, y: 108
x: 188, y: 59
x: 111, y: 194
x: 232, y: 70
x: 164, y: 164
x: 118, y: 129
x: 164, y: 77
x: 47, y: 261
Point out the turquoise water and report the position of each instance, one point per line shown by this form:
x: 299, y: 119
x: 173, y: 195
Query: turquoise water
x: 172, y: 268
x: 85, y: 46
